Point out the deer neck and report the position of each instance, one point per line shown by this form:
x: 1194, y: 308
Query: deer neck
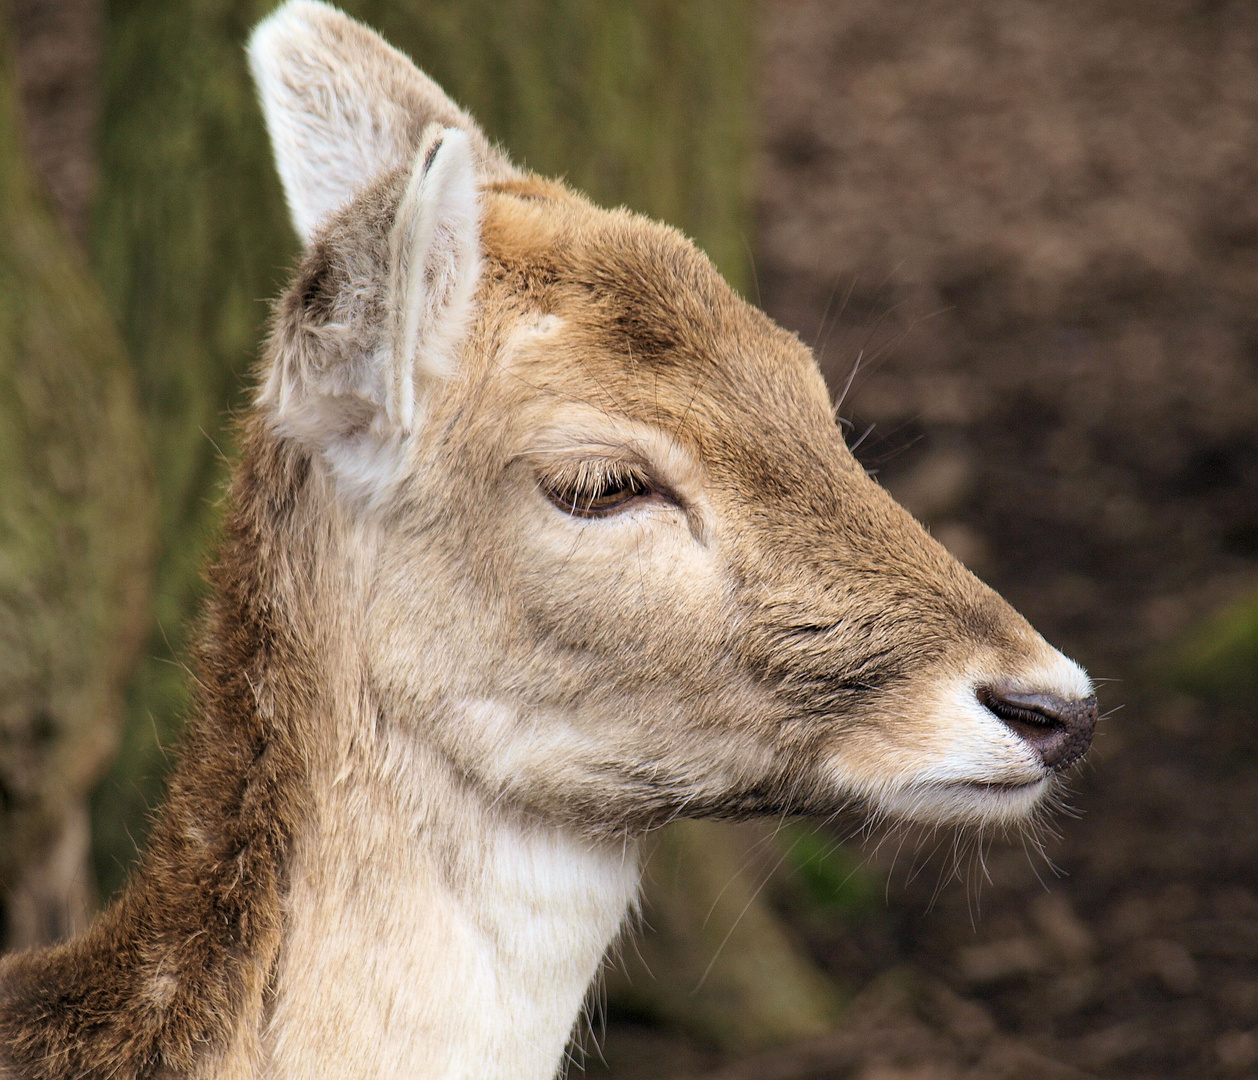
x: 325, y: 895
x: 429, y: 931
x: 431, y: 934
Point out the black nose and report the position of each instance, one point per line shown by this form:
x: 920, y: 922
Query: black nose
x: 1059, y: 729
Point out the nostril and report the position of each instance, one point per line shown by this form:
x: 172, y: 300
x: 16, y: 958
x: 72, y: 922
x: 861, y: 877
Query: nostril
x: 1060, y: 729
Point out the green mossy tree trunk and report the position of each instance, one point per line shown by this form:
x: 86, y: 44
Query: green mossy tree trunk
x: 640, y: 102
x: 75, y: 541
x: 714, y: 957
x: 645, y: 103
x: 190, y: 240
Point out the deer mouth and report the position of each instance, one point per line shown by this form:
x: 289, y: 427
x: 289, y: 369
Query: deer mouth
x: 967, y: 802
x: 999, y: 786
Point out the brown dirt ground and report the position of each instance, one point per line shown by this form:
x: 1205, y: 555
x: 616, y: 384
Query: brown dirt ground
x: 1036, y: 224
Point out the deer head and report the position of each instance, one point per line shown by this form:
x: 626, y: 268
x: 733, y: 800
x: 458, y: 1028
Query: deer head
x: 623, y: 566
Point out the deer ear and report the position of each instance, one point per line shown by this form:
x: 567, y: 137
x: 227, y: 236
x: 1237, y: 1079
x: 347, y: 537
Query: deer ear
x: 355, y: 393
x: 434, y: 267
x: 342, y: 107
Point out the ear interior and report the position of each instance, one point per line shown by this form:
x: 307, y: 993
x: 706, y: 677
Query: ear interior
x: 435, y: 266
x: 342, y: 107
x: 356, y: 393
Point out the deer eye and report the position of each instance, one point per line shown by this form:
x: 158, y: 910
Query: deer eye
x: 596, y: 489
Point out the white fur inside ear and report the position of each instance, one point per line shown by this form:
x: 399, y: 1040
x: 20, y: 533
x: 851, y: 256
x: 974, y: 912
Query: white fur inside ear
x: 355, y: 390
x: 329, y: 93
x: 435, y: 261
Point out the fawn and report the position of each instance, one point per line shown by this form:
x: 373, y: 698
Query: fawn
x: 540, y: 538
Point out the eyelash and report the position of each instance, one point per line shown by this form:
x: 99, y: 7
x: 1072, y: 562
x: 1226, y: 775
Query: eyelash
x: 596, y: 489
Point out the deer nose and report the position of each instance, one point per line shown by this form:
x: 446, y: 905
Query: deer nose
x: 1059, y: 729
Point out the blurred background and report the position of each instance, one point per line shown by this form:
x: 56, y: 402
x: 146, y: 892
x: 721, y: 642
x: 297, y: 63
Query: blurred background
x: 1022, y: 237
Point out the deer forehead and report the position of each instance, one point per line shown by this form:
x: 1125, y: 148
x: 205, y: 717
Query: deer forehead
x: 608, y: 322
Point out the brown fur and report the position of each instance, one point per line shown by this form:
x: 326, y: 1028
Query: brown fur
x: 163, y: 976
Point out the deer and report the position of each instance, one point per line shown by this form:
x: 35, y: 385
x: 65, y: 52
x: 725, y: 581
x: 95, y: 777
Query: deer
x: 540, y: 537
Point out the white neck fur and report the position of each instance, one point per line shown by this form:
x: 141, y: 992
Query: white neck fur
x: 429, y: 935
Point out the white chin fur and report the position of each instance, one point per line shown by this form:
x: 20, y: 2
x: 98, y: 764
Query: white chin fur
x: 964, y: 803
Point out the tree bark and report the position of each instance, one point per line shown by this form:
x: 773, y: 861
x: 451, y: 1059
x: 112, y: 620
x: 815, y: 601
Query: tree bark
x: 75, y: 514
x: 190, y: 241
x: 58, y: 45
x: 713, y: 957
